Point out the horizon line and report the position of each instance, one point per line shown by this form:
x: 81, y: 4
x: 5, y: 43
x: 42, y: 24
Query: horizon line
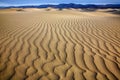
x: 8, y: 5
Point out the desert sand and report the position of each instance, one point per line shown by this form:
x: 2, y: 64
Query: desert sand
x: 48, y: 44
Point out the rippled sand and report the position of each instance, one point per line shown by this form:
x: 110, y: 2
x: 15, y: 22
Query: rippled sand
x: 42, y: 44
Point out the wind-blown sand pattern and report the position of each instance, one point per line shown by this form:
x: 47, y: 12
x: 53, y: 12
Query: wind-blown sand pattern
x: 59, y: 45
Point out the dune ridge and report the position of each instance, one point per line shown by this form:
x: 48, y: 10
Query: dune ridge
x: 59, y: 45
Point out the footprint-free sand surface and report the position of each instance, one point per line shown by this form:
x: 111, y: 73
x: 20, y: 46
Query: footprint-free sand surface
x: 59, y: 45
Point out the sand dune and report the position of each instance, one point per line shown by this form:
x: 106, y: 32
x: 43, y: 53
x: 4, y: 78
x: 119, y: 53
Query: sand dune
x: 59, y: 45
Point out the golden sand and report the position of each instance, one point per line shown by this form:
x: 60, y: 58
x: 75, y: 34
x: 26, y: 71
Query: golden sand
x: 40, y: 44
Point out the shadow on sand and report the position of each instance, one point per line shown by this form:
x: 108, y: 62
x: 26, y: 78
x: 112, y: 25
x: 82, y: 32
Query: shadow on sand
x: 20, y: 10
x: 114, y: 11
x: 88, y: 9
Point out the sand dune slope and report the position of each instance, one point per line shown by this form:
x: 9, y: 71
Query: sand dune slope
x: 59, y: 45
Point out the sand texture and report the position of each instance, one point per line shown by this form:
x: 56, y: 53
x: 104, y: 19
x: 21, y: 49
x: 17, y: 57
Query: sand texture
x: 49, y: 44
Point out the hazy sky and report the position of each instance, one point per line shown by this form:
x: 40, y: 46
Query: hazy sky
x: 22, y: 2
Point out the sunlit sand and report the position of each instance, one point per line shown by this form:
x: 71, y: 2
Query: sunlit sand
x: 53, y: 44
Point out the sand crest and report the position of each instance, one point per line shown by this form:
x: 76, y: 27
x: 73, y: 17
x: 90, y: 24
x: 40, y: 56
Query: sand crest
x: 59, y: 45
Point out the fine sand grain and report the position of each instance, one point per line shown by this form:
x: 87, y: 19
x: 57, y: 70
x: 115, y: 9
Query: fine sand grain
x: 48, y: 44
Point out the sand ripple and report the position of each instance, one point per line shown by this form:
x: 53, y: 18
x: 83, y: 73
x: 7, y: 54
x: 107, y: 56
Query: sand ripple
x: 59, y: 45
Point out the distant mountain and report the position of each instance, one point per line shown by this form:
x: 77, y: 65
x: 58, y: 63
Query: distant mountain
x: 70, y: 5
